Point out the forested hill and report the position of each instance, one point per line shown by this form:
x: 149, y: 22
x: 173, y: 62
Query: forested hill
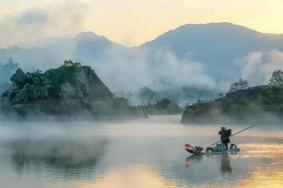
x: 68, y: 91
x: 260, y: 104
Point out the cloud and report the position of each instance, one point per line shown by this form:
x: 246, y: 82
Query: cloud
x: 33, y: 16
x: 35, y: 23
x: 257, y: 67
x: 124, y: 71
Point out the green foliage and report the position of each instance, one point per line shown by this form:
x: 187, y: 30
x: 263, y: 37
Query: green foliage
x: 277, y: 79
x: 260, y: 103
x: 68, y: 90
x: 162, y: 104
x: 62, y: 75
x: 241, y: 84
x: 31, y: 87
x: 65, y: 73
x: 18, y: 79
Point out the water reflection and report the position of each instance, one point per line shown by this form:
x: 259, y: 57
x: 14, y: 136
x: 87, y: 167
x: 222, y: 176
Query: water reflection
x: 225, y: 165
x: 192, y: 159
x: 138, y: 176
x: 143, y: 153
x: 71, y: 157
x: 270, y: 175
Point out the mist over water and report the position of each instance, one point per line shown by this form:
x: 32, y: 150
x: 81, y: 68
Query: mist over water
x: 134, y: 153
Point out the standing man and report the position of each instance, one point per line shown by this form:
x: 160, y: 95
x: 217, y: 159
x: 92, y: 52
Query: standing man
x: 225, y: 136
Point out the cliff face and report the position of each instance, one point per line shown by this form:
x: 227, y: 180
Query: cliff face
x: 70, y: 90
x: 261, y: 104
x: 79, y: 82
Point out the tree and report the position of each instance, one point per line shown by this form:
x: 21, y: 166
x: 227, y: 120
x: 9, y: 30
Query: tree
x: 221, y: 95
x: 147, y: 96
x: 241, y: 84
x: 163, y: 103
x: 71, y: 63
x: 276, y: 79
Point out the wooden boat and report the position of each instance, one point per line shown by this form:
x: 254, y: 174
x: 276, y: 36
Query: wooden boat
x: 218, y: 149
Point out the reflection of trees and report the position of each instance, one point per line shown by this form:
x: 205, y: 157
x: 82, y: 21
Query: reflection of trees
x: 71, y: 157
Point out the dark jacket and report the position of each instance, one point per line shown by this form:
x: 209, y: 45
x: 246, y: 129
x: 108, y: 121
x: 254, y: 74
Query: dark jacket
x: 225, y: 135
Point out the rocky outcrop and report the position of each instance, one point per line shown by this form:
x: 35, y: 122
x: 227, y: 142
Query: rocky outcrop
x: 71, y: 91
x: 261, y: 104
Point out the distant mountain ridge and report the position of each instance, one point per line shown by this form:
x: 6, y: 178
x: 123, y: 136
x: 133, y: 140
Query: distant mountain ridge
x: 84, y: 46
x: 216, y: 46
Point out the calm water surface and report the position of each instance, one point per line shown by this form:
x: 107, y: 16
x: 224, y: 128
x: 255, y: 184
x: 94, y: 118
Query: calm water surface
x: 137, y: 153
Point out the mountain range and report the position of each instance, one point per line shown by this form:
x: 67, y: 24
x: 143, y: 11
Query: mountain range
x: 210, y: 50
x: 217, y: 45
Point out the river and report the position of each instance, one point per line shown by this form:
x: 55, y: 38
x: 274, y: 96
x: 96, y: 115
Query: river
x: 135, y: 153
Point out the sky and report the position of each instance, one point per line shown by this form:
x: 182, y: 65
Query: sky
x: 128, y: 22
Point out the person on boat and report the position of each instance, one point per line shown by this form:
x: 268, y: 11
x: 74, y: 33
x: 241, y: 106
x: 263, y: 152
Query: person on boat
x: 225, y: 136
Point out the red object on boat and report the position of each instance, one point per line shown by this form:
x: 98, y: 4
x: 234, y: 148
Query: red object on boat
x: 187, y: 146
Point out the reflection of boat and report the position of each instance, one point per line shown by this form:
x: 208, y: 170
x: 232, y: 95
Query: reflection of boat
x: 225, y: 165
x: 192, y: 158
